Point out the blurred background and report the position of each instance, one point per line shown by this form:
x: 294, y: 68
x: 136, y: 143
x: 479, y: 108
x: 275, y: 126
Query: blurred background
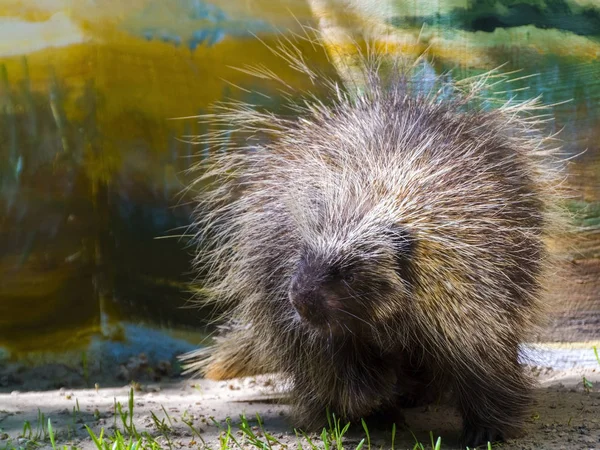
x: 94, y: 264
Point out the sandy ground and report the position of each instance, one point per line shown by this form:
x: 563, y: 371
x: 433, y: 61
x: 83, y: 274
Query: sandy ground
x: 566, y: 413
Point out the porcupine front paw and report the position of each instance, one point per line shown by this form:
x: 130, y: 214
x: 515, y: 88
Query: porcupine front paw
x: 474, y: 435
x: 420, y: 397
x: 385, y: 418
x: 309, y: 417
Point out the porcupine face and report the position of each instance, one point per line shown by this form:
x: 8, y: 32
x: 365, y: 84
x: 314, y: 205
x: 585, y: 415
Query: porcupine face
x: 341, y: 286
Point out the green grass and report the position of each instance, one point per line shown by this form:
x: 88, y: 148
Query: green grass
x: 124, y: 435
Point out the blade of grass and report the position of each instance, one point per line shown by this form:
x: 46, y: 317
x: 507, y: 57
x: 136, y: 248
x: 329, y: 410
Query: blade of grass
x: 51, y: 433
x: 364, y: 425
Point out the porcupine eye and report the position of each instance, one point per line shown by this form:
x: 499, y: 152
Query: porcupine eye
x: 348, y: 277
x: 344, y: 274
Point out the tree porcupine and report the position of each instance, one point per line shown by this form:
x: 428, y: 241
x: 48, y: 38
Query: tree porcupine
x: 377, y: 244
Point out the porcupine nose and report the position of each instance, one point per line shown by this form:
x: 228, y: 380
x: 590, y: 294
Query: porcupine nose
x: 307, y: 302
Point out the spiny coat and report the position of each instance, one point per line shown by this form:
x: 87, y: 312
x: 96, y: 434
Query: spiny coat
x: 378, y: 244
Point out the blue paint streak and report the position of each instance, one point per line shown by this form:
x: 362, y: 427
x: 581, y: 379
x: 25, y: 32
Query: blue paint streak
x: 213, y: 26
x: 156, y: 345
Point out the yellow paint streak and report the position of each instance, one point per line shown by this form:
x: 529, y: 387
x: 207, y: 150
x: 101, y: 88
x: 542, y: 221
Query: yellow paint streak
x: 19, y: 37
x: 27, y: 284
x: 61, y: 340
x: 140, y: 85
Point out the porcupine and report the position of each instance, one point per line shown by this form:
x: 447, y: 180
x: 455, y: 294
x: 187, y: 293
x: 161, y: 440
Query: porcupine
x: 381, y: 243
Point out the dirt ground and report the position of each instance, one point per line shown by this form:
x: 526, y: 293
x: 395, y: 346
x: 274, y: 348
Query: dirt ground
x: 565, y: 415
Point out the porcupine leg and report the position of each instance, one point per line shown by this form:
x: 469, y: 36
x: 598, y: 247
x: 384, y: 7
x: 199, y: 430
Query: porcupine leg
x: 414, y: 384
x: 492, y: 402
x: 311, y: 415
x: 349, y: 388
x: 233, y: 355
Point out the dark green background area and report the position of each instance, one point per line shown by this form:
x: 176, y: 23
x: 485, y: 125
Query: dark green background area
x: 487, y: 15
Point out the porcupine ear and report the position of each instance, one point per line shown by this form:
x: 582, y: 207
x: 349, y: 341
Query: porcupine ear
x: 403, y: 245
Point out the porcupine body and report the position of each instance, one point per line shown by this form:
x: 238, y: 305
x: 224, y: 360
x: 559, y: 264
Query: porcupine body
x: 378, y: 245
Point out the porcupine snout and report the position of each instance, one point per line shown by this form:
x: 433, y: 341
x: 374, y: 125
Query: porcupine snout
x: 307, y: 299
x: 316, y: 295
